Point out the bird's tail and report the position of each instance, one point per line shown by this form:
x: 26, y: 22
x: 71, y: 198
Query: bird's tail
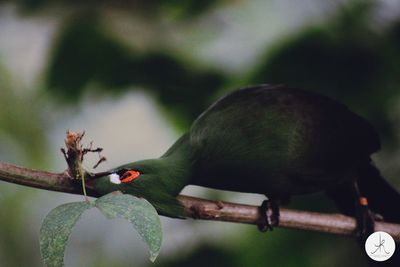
x: 382, y: 197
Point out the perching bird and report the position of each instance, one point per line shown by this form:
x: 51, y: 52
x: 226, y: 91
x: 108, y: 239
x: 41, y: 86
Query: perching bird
x: 271, y: 140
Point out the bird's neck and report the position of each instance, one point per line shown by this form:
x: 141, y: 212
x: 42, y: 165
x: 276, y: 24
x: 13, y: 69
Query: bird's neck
x: 174, y: 167
x: 173, y: 173
x: 177, y: 161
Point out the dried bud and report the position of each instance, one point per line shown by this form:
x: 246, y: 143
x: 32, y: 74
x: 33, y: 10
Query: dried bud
x: 72, y: 140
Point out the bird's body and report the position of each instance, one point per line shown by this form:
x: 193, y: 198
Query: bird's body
x: 276, y: 141
x: 271, y: 140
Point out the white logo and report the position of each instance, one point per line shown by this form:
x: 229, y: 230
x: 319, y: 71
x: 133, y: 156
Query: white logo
x: 380, y: 246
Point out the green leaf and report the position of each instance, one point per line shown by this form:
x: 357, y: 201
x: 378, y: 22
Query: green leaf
x: 56, y: 229
x: 139, y: 212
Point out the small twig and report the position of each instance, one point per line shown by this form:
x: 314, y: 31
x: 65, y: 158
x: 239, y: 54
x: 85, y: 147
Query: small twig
x: 75, y: 154
x: 102, y: 159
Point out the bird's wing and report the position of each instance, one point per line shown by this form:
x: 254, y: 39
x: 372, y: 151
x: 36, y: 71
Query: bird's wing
x: 269, y: 131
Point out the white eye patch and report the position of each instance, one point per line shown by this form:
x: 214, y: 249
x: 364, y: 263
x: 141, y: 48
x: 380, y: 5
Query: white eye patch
x: 114, y: 178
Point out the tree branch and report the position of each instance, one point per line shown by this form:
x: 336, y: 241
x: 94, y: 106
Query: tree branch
x: 294, y: 219
x: 201, y: 208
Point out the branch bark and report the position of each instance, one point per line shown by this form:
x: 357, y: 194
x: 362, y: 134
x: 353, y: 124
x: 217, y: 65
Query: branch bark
x: 198, y: 208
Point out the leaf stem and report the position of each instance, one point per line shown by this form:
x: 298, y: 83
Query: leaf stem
x: 82, y: 176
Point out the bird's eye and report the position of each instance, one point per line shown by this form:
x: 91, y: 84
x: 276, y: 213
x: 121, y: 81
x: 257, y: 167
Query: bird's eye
x: 129, y: 176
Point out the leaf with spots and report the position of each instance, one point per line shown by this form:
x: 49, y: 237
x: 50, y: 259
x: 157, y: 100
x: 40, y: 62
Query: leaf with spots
x: 140, y: 213
x: 56, y: 229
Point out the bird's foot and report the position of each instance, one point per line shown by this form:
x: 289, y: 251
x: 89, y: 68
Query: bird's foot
x: 269, y: 211
x: 365, y: 220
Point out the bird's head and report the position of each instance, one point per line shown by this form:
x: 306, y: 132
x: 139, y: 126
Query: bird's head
x: 149, y: 179
x: 139, y: 179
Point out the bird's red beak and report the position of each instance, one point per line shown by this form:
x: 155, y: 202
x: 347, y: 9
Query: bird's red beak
x: 129, y: 176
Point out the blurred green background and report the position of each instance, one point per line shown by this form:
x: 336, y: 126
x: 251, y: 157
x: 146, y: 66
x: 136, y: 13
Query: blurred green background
x: 134, y: 74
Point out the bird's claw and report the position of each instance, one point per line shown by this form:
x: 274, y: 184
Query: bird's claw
x: 269, y: 211
x: 365, y: 222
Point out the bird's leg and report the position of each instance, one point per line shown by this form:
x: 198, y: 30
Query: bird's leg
x: 364, y: 217
x: 269, y: 211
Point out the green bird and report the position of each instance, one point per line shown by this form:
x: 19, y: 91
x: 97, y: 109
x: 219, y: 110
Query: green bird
x: 272, y: 140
